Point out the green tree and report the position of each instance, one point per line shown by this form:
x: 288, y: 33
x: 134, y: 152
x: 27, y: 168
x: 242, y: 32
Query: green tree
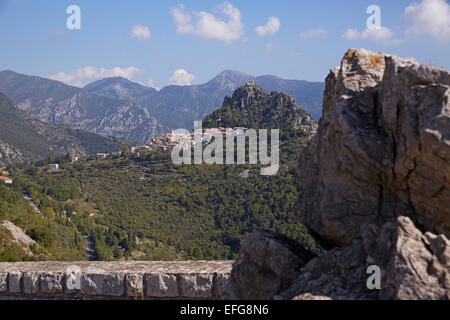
x: 125, y: 149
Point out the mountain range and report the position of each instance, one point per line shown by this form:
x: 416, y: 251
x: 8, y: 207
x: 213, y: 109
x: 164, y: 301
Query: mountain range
x: 179, y: 106
x: 25, y: 138
x: 55, y: 102
x: 123, y: 108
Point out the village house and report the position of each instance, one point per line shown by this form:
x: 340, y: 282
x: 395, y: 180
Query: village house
x: 101, y: 156
x: 140, y: 149
x: 54, y: 167
x: 173, y: 138
x: 6, y: 180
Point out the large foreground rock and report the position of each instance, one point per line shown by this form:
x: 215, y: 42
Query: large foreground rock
x: 382, y: 149
x: 413, y: 266
x: 268, y: 264
x: 375, y: 190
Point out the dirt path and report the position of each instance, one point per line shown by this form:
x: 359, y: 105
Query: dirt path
x: 35, y: 208
x: 90, y: 248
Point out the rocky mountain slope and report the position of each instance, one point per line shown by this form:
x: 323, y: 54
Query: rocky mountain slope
x: 25, y: 138
x: 122, y: 108
x: 55, y: 102
x: 179, y: 106
x: 252, y: 107
x: 120, y: 88
x: 375, y: 190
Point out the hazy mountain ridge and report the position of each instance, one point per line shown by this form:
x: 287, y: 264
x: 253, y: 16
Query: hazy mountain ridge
x: 179, y: 106
x: 25, y: 138
x: 55, y: 102
x: 119, y: 88
x: 122, y: 108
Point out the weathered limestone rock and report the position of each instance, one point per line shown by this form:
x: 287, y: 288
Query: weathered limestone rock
x: 418, y: 265
x: 339, y: 274
x: 18, y: 235
x: 196, y: 286
x: 268, y: 264
x: 135, y: 285
x: 72, y: 282
x: 51, y: 282
x: 382, y: 149
x: 376, y: 189
x: 162, y: 286
x: 223, y: 289
x: 14, y: 282
x: 3, y: 282
x: 102, y: 284
x: 413, y: 266
x: 115, y: 279
x: 31, y: 282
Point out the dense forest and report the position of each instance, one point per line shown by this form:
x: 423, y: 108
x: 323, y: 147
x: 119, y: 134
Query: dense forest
x: 148, y: 208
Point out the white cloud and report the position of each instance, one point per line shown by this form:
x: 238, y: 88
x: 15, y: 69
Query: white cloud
x: 351, y: 34
x: 83, y: 76
x: 141, y: 32
x: 271, y: 27
x: 375, y: 34
x: 430, y: 17
x: 181, y: 77
x: 312, y: 33
x: 207, y: 25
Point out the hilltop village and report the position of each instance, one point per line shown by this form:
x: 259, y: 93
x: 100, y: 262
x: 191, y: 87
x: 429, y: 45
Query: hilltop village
x: 173, y: 138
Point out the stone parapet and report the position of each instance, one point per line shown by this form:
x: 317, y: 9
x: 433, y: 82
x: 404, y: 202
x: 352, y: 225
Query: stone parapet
x: 115, y: 280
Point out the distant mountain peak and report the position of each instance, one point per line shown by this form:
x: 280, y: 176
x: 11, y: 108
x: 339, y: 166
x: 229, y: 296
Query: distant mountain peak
x: 229, y: 72
x: 119, y: 88
x: 233, y: 76
x: 114, y: 81
x: 252, y: 107
x: 109, y: 109
x: 107, y: 105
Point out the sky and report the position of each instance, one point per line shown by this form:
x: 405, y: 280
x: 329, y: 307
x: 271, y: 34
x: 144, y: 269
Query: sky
x: 189, y: 42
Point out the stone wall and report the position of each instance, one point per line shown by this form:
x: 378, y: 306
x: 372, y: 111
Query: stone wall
x: 115, y: 280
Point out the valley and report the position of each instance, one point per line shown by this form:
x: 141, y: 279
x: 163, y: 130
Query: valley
x: 142, y: 206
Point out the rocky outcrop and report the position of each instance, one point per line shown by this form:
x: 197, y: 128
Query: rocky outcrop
x: 413, y: 266
x: 382, y: 149
x: 9, y: 154
x: 375, y: 187
x: 252, y: 107
x: 268, y: 264
x: 18, y: 236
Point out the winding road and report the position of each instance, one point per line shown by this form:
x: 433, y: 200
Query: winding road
x: 90, y: 248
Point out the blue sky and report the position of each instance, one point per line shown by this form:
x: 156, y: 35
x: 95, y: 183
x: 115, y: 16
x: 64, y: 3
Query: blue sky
x: 167, y: 47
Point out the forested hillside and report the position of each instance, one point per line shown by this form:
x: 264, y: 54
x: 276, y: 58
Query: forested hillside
x: 147, y: 208
x: 56, y: 238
